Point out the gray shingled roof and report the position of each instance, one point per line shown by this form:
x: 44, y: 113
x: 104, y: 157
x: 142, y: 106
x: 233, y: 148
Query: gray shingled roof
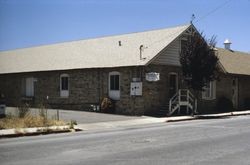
x: 234, y: 62
x: 92, y: 53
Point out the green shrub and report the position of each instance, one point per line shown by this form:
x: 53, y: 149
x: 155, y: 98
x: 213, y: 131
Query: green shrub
x: 224, y: 105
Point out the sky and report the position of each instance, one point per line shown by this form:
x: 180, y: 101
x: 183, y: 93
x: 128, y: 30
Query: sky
x: 27, y: 23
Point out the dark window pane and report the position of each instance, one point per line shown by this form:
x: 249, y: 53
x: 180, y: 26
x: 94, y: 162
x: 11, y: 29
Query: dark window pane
x: 114, y: 82
x: 64, y: 83
x: 117, y: 82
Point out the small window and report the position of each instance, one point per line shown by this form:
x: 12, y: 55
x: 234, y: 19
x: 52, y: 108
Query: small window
x: 28, y: 87
x: 209, y: 91
x: 114, y: 82
x: 64, y: 85
x: 114, y: 85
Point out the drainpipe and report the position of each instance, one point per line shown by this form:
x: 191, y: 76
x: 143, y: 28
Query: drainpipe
x: 99, y: 87
x: 238, y: 91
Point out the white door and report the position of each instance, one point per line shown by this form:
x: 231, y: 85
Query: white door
x: 114, y: 85
x: 29, y: 87
x: 235, y: 92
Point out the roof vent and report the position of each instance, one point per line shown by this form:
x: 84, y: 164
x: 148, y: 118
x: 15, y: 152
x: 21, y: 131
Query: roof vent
x: 227, y: 44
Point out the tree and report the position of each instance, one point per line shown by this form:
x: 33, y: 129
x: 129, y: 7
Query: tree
x: 199, y: 61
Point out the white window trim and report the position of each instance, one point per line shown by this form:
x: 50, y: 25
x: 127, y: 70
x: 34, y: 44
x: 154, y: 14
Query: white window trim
x: 64, y: 93
x: 212, y: 91
x: 29, y: 88
x: 114, y: 73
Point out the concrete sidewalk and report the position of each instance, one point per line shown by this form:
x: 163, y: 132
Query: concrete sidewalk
x: 128, y: 123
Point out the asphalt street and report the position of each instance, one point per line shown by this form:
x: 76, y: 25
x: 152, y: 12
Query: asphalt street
x: 211, y: 141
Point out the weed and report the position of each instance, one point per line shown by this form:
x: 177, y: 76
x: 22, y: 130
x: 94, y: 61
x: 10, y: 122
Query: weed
x: 23, y: 110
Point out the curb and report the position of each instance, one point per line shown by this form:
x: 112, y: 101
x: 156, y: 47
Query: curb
x: 221, y: 115
x: 16, y: 132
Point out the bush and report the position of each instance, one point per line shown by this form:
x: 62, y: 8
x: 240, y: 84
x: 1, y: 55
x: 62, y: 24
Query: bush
x: 224, y: 105
x: 28, y: 121
x: 42, y: 110
x: 107, y: 105
x: 23, y: 110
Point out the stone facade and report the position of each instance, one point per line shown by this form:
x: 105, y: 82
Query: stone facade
x: 223, y: 89
x: 90, y: 86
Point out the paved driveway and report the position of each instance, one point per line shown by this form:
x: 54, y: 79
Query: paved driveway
x: 80, y: 116
x: 92, y: 117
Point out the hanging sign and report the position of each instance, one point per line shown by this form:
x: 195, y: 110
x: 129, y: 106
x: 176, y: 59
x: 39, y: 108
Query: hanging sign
x: 152, y: 76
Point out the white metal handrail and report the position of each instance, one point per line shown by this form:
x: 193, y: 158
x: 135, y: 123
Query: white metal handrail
x: 177, y: 101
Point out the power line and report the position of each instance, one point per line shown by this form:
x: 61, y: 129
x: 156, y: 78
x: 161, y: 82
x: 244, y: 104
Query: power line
x: 192, y: 19
x: 214, y: 10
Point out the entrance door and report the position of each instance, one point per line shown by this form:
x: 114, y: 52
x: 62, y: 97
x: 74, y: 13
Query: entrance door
x: 235, y: 92
x: 173, y: 84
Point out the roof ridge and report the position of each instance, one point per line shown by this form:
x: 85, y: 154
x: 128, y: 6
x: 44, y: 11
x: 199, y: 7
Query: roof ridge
x: 237, y: 51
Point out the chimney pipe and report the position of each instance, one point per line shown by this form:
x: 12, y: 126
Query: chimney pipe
x: 227, y: 44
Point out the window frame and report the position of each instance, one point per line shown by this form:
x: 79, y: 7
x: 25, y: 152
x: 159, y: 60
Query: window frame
x: 28, y: 90
x: 211, y: 89
x: 64, y: 92
x: 114, y: 94
x: 115, y: 85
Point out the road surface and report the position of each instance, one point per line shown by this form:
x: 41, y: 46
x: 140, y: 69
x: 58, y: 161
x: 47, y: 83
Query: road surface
x: 210, y: 141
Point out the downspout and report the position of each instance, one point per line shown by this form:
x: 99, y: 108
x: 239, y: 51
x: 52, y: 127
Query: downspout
x: 238, y: 92
x: 99, y: 88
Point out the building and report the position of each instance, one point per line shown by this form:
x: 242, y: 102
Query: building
x: 140, y: 71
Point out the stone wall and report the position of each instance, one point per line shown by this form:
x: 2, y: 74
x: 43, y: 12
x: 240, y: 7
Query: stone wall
x: 90, y: 86
x: 83, y: 88
x: 154, y: 94
x: 223, y: 89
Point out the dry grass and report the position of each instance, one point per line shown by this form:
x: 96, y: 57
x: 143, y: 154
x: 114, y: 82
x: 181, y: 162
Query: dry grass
x: 28, y: 121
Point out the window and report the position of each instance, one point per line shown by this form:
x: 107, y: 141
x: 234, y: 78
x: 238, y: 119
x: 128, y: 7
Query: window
x: 64, y: 85
x: 209, y: 92
x: 114, y: 85
x: 28, y: 87
x: 114, y: 82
